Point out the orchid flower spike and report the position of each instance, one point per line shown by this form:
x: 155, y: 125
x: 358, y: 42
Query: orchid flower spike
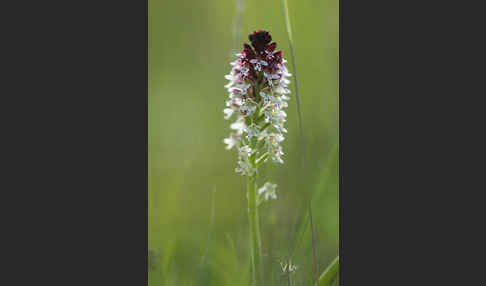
x: 257, y: 98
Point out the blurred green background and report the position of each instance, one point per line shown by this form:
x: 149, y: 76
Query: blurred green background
x: 191, y: 175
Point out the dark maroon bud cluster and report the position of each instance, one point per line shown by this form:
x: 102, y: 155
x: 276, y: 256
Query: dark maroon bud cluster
x: 263, y: 51
x: 260, y: 39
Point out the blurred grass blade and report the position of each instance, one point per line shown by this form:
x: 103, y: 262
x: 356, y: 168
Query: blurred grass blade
x: 211, y: 230
x: 237, y: 26
x: 330, y: 274
x: 167, y: 258
x: 285, y: 10
x: 287, y: 18
x: 317, y: 192
x: 211, y: 226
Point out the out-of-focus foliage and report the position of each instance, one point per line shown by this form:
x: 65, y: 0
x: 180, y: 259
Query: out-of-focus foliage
x: 190, y: 47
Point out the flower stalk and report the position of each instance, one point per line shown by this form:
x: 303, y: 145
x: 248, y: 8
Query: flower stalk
x: 255, y: 239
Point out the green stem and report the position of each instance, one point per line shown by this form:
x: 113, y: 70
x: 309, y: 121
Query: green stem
x: 255, y: 242
x: 330, y: 273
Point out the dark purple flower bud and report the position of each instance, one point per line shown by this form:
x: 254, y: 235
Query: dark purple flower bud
x: 248, y: 52
x: 259, y: 40
x: 271, y: 47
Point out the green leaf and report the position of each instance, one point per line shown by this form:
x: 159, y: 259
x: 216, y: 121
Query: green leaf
x: 329, y: 275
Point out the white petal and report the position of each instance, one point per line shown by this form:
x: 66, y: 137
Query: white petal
x: 228, y: 112
x: 230, y: 142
